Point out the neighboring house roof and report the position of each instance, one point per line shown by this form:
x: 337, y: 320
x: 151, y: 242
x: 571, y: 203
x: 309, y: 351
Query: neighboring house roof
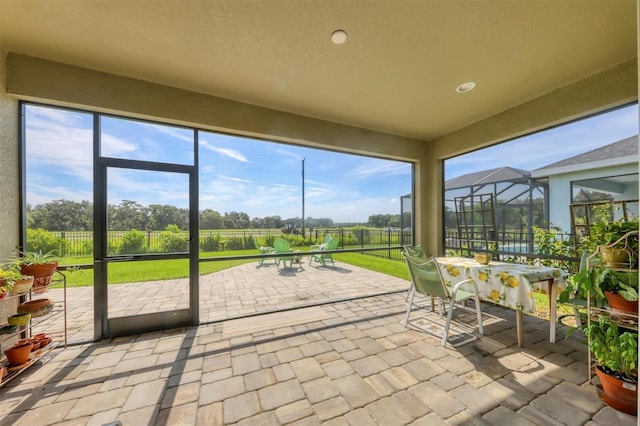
x: 620, y: 152
x: 501, y: 174
x: 625, y: 148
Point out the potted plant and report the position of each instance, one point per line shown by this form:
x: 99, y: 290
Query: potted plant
x: 8, y: 277
x: 12, y: 281
x: 616, y: 354
x: 621, y: 289
x: 616, y: 250
x: 618, y: 288
x: 40, y: 265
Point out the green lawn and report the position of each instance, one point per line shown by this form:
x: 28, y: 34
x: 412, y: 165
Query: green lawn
x: 169, y: 269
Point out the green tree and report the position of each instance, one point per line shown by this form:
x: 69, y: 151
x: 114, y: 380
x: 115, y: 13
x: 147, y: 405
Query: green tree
x: 236, y: 220
x: 163, y: 215
x: 127, y: 215
x: 270, y: 222
x: 211, y: 219
x: 61, y: 215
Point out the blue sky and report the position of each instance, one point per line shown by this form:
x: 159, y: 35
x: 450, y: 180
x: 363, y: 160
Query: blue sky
x: 546, y: 147
x: 265, y: 179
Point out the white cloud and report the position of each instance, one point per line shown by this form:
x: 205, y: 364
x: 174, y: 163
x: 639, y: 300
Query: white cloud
x: 374, y: 167
x: 227, y: 152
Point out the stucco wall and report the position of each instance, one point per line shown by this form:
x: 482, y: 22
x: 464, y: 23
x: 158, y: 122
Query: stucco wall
x: 9, y: 214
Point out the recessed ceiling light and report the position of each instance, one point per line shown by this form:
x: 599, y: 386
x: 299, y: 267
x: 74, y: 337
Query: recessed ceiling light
x: 339, y: 36
x: 465, y: 87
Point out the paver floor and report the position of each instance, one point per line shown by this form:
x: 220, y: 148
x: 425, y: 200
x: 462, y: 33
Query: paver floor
x: 345, y: 363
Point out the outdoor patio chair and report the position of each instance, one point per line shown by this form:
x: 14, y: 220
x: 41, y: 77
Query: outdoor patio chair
x: 282, y: 247
x: 316, y: 247
x: 263, y: 249
x: 416, y: 252
x: 427, y: 280
x: 324, y: 257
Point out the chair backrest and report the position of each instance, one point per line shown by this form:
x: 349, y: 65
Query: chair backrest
x: 255, y: 243
x: 415, y: 251
x: 425, y: 276
x: 333, y: 244
x: 327, y: 239
x: 281, y: 245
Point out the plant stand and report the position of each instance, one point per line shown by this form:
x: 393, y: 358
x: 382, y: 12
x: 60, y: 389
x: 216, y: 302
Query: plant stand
x: 8, y: 372
x: 617, y: 393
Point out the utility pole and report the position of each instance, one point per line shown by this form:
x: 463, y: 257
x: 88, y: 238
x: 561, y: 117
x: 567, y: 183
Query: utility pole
x: 303, y: 235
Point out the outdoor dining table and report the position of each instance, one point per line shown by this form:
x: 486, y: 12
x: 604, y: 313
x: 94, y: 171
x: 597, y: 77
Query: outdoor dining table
x: 508, y: 284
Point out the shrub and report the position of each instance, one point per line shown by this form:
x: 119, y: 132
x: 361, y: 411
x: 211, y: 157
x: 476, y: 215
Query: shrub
x: 39, y: 240
x: 210, y: 243
x: 268, y: 240
x: 172, y: 242
x: 113, y: 247
x: 133, y: 242
x: 235, y: 243
x: 86, y: 248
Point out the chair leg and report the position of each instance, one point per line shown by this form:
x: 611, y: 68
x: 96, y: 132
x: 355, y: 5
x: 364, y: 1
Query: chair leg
x: 412, y: 294
x: 445, y: 333
x: 443, y: 308
x: 476, y: 299
x: 406, y: 299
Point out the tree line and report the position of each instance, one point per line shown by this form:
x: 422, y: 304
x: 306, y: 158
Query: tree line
x: 67, y: 215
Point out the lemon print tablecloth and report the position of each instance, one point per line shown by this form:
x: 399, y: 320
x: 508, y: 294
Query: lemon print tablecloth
x: 508, y: 284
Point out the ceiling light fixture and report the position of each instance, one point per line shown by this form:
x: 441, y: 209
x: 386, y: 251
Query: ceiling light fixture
x: 339, y: 36
x: 465, y: 87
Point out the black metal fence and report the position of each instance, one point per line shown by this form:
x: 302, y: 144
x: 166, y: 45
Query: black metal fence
x: 76, y: 244
x: 514, y: 246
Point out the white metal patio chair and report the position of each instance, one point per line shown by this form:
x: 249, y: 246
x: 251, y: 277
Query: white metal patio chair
x: 427, y: 280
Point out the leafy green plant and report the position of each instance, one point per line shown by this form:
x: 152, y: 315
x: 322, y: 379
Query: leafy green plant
x: 9, y: 275
x: 616, y: 350
x: 34, y: 257
x: 598, y: 280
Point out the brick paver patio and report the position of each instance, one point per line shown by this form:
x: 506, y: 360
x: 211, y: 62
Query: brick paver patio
x: 346, y: 363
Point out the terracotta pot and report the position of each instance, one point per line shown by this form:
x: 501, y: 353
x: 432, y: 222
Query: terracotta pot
x: 620, y: 304
x: 36, y: 307
x: 18, y: 354
x: 44, y: 339
x: 619, y: 394
x: 36, y: 343
x: 41, y: 275
x: 22, y: 286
